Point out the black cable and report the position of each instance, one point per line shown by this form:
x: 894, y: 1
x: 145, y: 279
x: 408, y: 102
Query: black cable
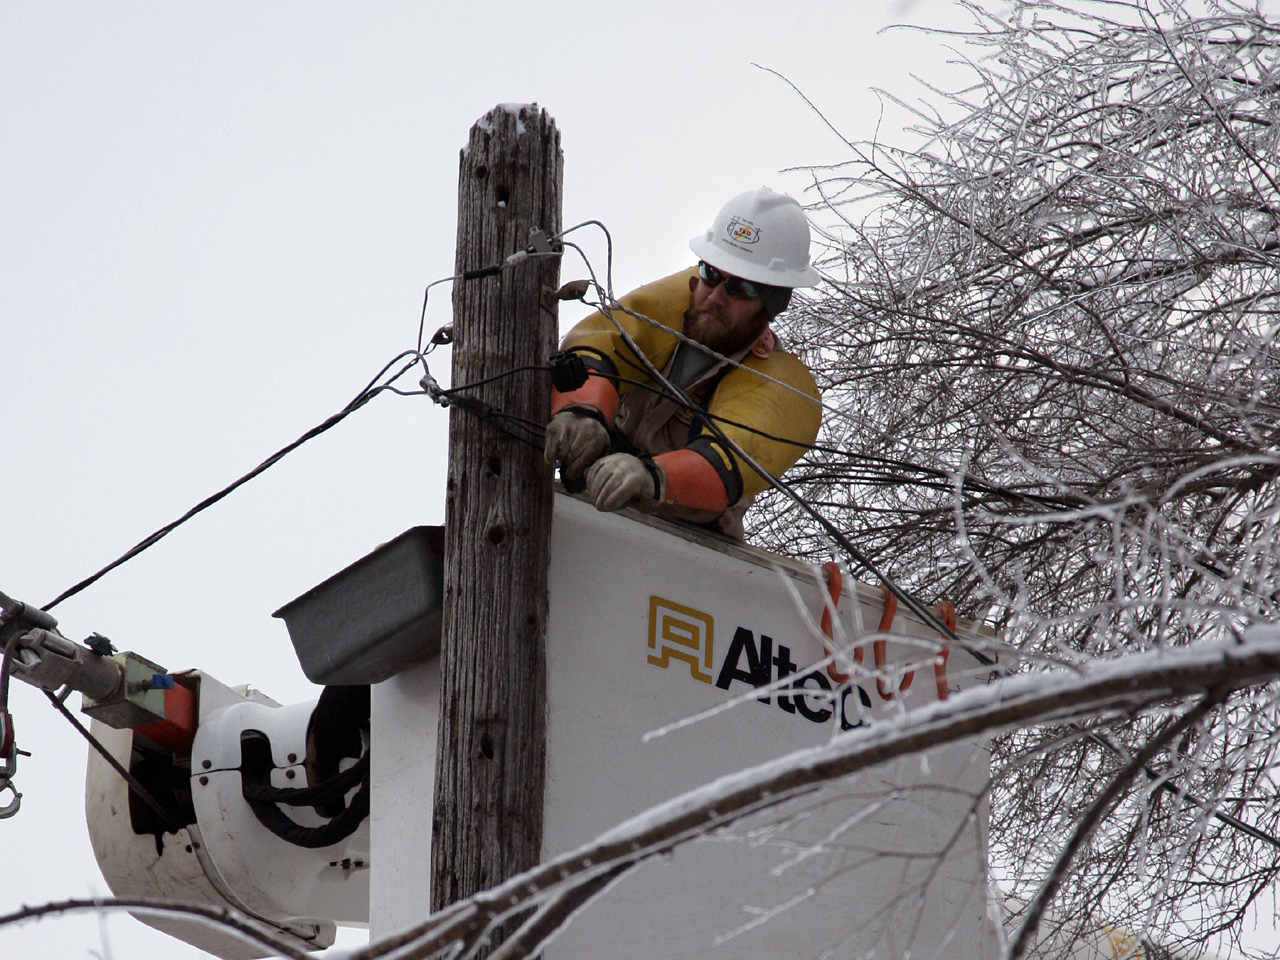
x: 165, y: 816
x: 325, y: 835
x: 497, y: 376
x: 912, y: 604
x: 365, y: 395
x: 1168, y: 786
x: 679, y: 396
x: 976, y: 483
x: 903, y: 596
x: 321, y: 793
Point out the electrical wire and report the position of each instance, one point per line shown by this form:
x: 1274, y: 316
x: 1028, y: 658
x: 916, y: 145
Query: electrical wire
x: 422, y: 321
x: 1163, y: 783
x: 512, y: 424
x: 506, y: 421
x: 670, y: 391
x: 938, y: 472
x: 607, y: 296
x: 165, y: 817
x: 976, y: 483
x: 371, y: 390
x: 147, y: 542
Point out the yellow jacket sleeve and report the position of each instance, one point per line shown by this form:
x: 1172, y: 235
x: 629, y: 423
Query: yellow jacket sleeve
x: 783, y: 423
x: 663, y: 300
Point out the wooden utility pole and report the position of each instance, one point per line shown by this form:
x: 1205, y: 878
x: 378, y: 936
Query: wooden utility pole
x: 491, y: 760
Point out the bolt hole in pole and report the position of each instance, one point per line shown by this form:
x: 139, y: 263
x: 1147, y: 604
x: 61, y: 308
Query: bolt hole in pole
x: 497, y: 534
x: 502, y: 195
x: 481, y: 172
x: 495, y: 466
x: 486, y: 748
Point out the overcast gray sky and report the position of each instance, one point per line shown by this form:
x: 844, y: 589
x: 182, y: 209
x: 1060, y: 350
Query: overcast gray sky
x: 216, y: 222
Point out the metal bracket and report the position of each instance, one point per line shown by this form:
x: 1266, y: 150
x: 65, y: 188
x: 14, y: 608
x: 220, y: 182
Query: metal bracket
x: 11, y: 808
x: 8, y: 767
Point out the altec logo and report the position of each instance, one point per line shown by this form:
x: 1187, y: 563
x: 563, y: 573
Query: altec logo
x: 679, y: 632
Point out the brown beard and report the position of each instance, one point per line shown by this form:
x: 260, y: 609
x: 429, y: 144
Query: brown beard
x: 722, y: 340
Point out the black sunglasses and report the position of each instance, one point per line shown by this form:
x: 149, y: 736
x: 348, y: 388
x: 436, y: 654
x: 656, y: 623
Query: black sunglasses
x: 735, y: 287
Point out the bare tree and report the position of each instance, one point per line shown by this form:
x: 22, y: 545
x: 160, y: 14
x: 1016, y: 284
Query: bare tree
x: 1049, y: 349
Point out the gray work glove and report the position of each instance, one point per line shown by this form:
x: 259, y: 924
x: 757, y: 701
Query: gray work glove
x: 576, y: 441
x: 619, y: 479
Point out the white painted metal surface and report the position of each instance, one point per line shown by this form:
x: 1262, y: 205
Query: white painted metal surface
x: 405, y: 711
x: 274, y: 878
x: 182, y: 869
x: 651, y: 623
x: 629, y: 603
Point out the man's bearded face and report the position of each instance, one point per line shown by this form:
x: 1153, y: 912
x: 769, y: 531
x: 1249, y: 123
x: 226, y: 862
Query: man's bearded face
x: 720, y: 322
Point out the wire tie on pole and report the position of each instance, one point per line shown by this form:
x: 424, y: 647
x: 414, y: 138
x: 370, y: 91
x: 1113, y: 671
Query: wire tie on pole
x: 433, y: 388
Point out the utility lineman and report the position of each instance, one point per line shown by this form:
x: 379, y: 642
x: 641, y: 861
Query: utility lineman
x: 636, y: 444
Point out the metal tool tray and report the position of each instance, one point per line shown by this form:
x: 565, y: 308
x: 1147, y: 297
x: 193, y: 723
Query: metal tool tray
x: 376, y: 617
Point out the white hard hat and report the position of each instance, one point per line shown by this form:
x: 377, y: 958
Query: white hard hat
x: 761, y: 236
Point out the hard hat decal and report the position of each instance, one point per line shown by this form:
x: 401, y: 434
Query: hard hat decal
x: 742, y: 231
x: 761, y: 236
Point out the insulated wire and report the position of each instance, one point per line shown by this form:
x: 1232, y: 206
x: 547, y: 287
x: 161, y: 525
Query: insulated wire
x: 1163, y: 783
x: 670, y: 391
x: 365, y: 395
x: 608, y: 297
x: 976, y: 483
x: 666, y: 389
x: 607, y: 294
x: 166, y: 818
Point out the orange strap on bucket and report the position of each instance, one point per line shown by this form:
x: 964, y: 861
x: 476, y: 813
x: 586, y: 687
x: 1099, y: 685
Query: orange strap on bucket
x: 886, y: 622
x: 948, y: 614
x: 834, y: 586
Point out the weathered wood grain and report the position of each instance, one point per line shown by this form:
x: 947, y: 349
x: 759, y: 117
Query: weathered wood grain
x: 487, y: 820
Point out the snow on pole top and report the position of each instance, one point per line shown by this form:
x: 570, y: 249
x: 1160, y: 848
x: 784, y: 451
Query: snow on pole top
x: 515, y: 109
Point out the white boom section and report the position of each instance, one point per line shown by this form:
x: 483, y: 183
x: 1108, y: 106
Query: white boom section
x: 650, y: 623
x: 226, y: 858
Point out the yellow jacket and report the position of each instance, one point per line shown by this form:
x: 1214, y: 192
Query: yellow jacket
x: 772, y: 424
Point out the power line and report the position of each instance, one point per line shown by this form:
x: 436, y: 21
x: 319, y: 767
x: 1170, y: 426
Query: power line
x: 363, y: 397
x: 372, y: 389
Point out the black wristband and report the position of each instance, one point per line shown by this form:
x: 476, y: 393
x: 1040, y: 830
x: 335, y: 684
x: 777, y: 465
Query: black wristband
x: 586, y: 410
x: 654, y: 471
